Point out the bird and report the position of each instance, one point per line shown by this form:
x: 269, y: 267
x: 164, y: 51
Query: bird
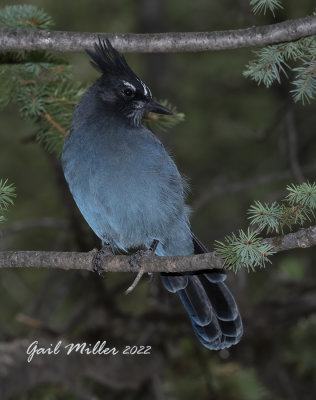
x: 130, y: 192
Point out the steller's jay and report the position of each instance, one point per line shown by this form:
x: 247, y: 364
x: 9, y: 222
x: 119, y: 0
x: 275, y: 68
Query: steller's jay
x: 131, y: 193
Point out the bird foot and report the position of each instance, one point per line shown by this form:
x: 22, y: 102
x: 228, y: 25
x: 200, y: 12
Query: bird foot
x: 106, y: 250
x: 136, y: 258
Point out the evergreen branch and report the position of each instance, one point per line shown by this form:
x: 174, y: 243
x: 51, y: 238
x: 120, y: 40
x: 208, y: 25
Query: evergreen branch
x: 305, y: 81
x: 7, y: 193
x: 25, y: 17
x: 268, y: 65
x: 296, y: 208
x: 40, y: 83
x: 247, y: 250
x: 266, y: 216
x: 15, y: 39
x: 43, y: 91
x: 304, y: 195
x: 261, y: 6
x: 272, y: 61
x: 120, y: 263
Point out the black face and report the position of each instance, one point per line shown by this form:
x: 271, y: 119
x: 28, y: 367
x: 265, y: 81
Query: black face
x: 120, y: 89
x: 130, y: 97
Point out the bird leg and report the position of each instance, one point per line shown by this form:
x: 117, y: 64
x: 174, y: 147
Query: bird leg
x: 106, y: 250
x: 135, y: 260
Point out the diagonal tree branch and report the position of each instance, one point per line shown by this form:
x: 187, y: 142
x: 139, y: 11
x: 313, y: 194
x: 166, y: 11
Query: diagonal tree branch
x: 120, y: 263
x: 160, y: 42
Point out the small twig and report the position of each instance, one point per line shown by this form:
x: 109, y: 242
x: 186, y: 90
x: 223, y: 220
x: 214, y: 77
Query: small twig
x: 63, y: 101
x: 136, y: 280
x: 55, y: 124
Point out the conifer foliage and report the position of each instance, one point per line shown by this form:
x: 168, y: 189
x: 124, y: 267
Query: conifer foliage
x: 38, y: 81
x: 7, y: 193
x: 248, y: 249
x: 296, y: 59
x: 261, y: 6
x: 42, y: 84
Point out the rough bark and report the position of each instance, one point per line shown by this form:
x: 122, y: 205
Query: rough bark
x: 303, y: 238
x: 160, y: 42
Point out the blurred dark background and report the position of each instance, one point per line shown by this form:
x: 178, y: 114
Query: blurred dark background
x: 233, y: 147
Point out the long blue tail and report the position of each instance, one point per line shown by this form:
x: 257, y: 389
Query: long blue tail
x: 211, y: 306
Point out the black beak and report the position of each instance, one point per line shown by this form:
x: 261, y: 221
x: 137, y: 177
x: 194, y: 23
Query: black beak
x: 157, y: 108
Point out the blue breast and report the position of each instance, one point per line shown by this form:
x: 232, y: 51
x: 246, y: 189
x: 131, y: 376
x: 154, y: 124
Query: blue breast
x: 124, y: 183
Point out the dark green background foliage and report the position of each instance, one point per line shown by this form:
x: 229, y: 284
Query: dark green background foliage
x: 235, y: 145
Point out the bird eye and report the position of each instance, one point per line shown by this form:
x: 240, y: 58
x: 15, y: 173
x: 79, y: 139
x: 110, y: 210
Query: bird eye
x: 128, y: 92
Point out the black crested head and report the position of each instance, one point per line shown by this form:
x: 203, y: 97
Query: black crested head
x: 119, y: 87
x: 109, y: 61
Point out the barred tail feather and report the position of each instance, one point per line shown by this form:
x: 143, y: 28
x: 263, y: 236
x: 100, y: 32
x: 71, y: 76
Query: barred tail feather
x: 211, y: 306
